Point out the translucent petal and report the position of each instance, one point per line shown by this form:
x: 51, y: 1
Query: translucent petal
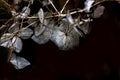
x: 41, y: 15
x: 65, y: 41
x: 17, y: 44
x: 14, y: 27
x: 19, y: 62
x: 6, y: 44
x: 14, y: 43
x: 43, y: 38
x: 58, y: 38
x: 26, y: 33
x: 39, y: 30
x: 98, y: 11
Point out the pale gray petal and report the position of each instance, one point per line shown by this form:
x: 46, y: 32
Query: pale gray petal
x: 19, y: 62
x: 26, y: 33
x: 39, y: 30
x: 41, y: 15
x: 43, y: 38
x: 17, y: 44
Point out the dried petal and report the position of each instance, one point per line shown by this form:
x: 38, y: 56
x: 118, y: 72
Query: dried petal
x: 44, y: 37
x: 17, y: 44
x: 26, y: 33
x: 39, y: 30
x: 19, y: 62
x: 66, y: 41
x: 6, y: 44
x: 14, y: 43
x: 41, y: 15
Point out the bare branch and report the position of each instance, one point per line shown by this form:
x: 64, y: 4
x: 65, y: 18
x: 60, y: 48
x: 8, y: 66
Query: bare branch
x: 64, y: 6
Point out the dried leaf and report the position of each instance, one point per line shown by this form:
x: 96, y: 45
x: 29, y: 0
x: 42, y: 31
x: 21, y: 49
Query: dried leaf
x: 98, y: 11
x: 19, y: 62
x: 26, y: 33
x: 41, y: 15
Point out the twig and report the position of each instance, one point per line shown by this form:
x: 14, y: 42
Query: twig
x: 5, y: 25
x: 54, y: 6
x: 64, y: 6
x: 5, y: 4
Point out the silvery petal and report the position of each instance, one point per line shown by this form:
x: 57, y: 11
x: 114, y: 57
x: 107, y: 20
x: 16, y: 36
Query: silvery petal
x: 13, y: 43
x: 6, y: 44
x: 58, y: 38
x: 65, y: 42
x: 39, y: 30
x: 19, y: 62
x: 43, y: 38
x: 26, y: 10
x: 41, y: 15
x: 26, y: 33
x: 17, y: 44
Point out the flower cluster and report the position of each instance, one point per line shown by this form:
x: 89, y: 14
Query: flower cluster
x: 63, y: 29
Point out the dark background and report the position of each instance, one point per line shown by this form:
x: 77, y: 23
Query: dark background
x: 97, y: 57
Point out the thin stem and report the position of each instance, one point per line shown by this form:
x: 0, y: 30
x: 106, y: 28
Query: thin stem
x: 64, y: 6
x: 54, y: 6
